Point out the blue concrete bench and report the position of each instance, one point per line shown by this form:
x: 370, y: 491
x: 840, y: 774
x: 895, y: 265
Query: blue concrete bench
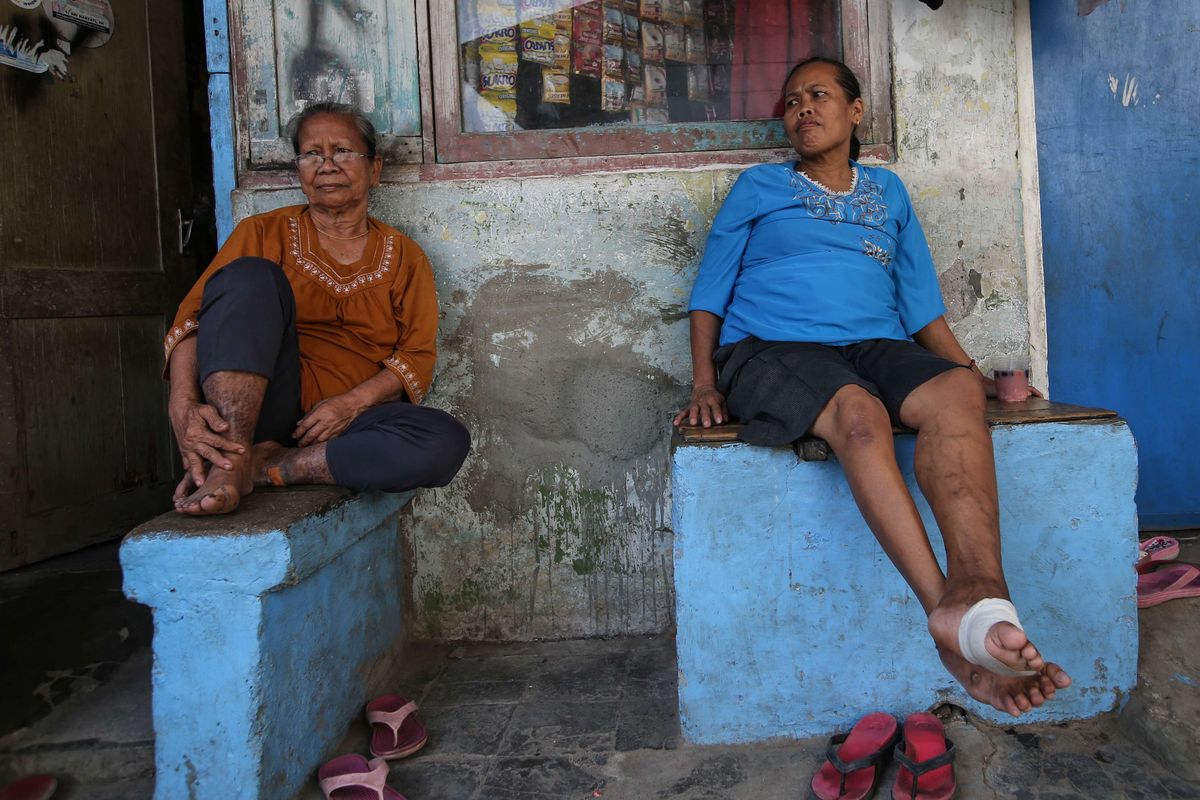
x: 791, y: 621
x: 272, y: 627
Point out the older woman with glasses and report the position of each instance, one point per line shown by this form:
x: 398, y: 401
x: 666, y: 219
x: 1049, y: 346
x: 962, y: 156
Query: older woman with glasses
x: 302, y: 354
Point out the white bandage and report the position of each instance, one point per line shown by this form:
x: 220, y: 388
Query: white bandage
x: 973, y: 632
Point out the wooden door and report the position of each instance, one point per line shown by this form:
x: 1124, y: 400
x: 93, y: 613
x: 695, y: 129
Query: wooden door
x: 93, y: 172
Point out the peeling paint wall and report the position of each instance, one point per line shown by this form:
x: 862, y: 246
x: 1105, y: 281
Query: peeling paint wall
x: 564, y: 340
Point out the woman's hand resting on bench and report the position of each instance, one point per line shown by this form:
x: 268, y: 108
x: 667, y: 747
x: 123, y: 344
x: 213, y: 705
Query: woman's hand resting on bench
x: 707, y: 408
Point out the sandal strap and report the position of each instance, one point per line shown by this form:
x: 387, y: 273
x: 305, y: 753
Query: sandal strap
x: 393, y: 719
x: 374, y: 780
x: 845, y: 767
x: 920, y: 768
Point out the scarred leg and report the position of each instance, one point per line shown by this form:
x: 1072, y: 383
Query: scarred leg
x: 237, y: 396
x: 956, y: 471
x: 276, y: 465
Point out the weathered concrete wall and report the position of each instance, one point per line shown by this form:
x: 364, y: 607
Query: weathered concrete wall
x: 564, y: 340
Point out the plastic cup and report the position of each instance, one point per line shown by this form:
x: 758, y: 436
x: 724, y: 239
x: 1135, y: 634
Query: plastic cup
x: 1012, y: 385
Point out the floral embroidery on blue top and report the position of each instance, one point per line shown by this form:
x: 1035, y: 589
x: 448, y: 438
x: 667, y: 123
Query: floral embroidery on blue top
x: 878, y: 248
x: 863, y: 204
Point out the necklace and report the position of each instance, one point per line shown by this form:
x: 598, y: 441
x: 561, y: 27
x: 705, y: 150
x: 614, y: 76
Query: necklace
x: 826, y: 189
x: 339, y: 238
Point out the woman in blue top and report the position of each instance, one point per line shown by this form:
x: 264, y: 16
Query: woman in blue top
x: 817, y: 311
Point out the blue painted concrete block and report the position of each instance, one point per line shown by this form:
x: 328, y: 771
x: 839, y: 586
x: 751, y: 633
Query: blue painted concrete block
x: 792, y: 622
x: 272, y: 628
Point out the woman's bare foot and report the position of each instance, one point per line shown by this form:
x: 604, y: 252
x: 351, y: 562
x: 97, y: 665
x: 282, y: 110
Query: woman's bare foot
x: 1007, y: 643
x: 1013, y: 696
x: 221, y: 492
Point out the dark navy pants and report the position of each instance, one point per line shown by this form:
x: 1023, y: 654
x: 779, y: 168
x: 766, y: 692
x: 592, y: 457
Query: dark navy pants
x: 248, y: 324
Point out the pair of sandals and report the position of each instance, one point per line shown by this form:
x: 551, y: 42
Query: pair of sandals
x: 395, y: 733
x: 856, y: 760
x: 1160, y: 577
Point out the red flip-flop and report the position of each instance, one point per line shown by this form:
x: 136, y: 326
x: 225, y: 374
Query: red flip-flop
x: 395, y: 730
x: 1169, y: 582
x: 854, y: 760
x: 926, y: 759
x: 1154, y: 551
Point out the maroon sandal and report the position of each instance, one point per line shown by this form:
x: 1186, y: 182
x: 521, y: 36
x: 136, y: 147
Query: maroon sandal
x: 854, y: 761
x: 926, y: 759
x: 395, y: 730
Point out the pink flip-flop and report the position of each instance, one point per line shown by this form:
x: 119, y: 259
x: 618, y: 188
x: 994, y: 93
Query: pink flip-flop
x: 352, y: 777
x: 395, y: 730
x: 1169, y: 582
x: 1154, y: 551
x: 35, y: 787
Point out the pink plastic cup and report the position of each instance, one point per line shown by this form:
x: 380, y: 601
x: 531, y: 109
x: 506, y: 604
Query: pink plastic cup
x: 1012, y: 385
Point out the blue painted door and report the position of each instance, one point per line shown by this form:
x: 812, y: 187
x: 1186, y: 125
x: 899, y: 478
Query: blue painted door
x: 1118, y: 117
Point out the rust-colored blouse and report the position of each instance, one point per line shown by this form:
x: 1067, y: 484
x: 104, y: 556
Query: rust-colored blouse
x: 352, y: 319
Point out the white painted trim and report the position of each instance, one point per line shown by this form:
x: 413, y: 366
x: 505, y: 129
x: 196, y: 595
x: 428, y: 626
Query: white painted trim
x: 1031, y: 199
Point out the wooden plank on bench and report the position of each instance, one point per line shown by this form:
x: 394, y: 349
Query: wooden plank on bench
x: 1033, y: 410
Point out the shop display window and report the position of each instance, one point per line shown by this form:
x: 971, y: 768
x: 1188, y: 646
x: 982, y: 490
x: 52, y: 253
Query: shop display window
x: 560, y: 78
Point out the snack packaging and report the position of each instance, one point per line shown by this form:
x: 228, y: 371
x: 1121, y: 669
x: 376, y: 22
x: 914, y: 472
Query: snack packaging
x: 652, y: 9
x: 694, y: 46
x: 614, y: 60
x: 556, y: 87
x: 698, y: 85
x: 675, y: 42
x: 614, y: 25
x: 652, y: 42
x: 588, y: 59
x: 612, y: 94
x: 656, y: 84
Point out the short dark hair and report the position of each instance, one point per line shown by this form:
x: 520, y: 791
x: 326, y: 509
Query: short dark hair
x: 845, y: 79
x: 366, y: 129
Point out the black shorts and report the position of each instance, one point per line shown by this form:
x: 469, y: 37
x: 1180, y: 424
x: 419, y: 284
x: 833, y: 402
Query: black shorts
x: 778, y: 389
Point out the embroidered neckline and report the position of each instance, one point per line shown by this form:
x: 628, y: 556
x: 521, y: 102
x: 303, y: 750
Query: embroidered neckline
x: 832, y: 193
x: 377, y: 261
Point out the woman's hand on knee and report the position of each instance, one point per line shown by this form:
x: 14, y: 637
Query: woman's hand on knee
x: 707, y: 408
x: 198, y: 431
x: 327, y: 419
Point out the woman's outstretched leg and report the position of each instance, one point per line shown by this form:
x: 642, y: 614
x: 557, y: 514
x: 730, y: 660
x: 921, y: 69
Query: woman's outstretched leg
x: 856, y: 425
x: 955, y: 469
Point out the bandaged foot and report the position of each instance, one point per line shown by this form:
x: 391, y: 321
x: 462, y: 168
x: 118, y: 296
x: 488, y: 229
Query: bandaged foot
x: 973, y: 632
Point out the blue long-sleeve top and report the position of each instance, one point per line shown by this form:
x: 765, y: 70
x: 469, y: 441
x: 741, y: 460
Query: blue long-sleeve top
x: 786, y: 261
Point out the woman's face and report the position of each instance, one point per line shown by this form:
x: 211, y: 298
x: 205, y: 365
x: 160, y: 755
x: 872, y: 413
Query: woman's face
x: 334, y: 185
x: 816, y: 114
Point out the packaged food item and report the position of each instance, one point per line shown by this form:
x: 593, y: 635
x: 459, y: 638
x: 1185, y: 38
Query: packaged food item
x: 675, y: 42
x: 649, y: 115
x: 698, y: 86
x: 556, y: 87
x: 588, y: 24
x: 652, y: 42
x: 498, y: 74
x: 633, y: 65
x: 695, y: 47
x: 692, y: 12
x: 655, y: 84
x: 562, y: 52
x: 721, y: 76
x: 672, y: 11
x: 537, y: 40
x: 720, y: 48
x: 588, y: 59
x: 614, y: 25
x: 633, y: 30
x: 652, y: 9
x: 614, y: 60
x: 612, y: 94
x: 633, y: 7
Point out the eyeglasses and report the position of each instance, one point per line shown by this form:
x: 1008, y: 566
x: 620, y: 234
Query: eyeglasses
x: 341, y: 156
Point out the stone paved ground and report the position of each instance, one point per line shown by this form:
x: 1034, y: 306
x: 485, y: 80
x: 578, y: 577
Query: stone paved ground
x: 594, y: 718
